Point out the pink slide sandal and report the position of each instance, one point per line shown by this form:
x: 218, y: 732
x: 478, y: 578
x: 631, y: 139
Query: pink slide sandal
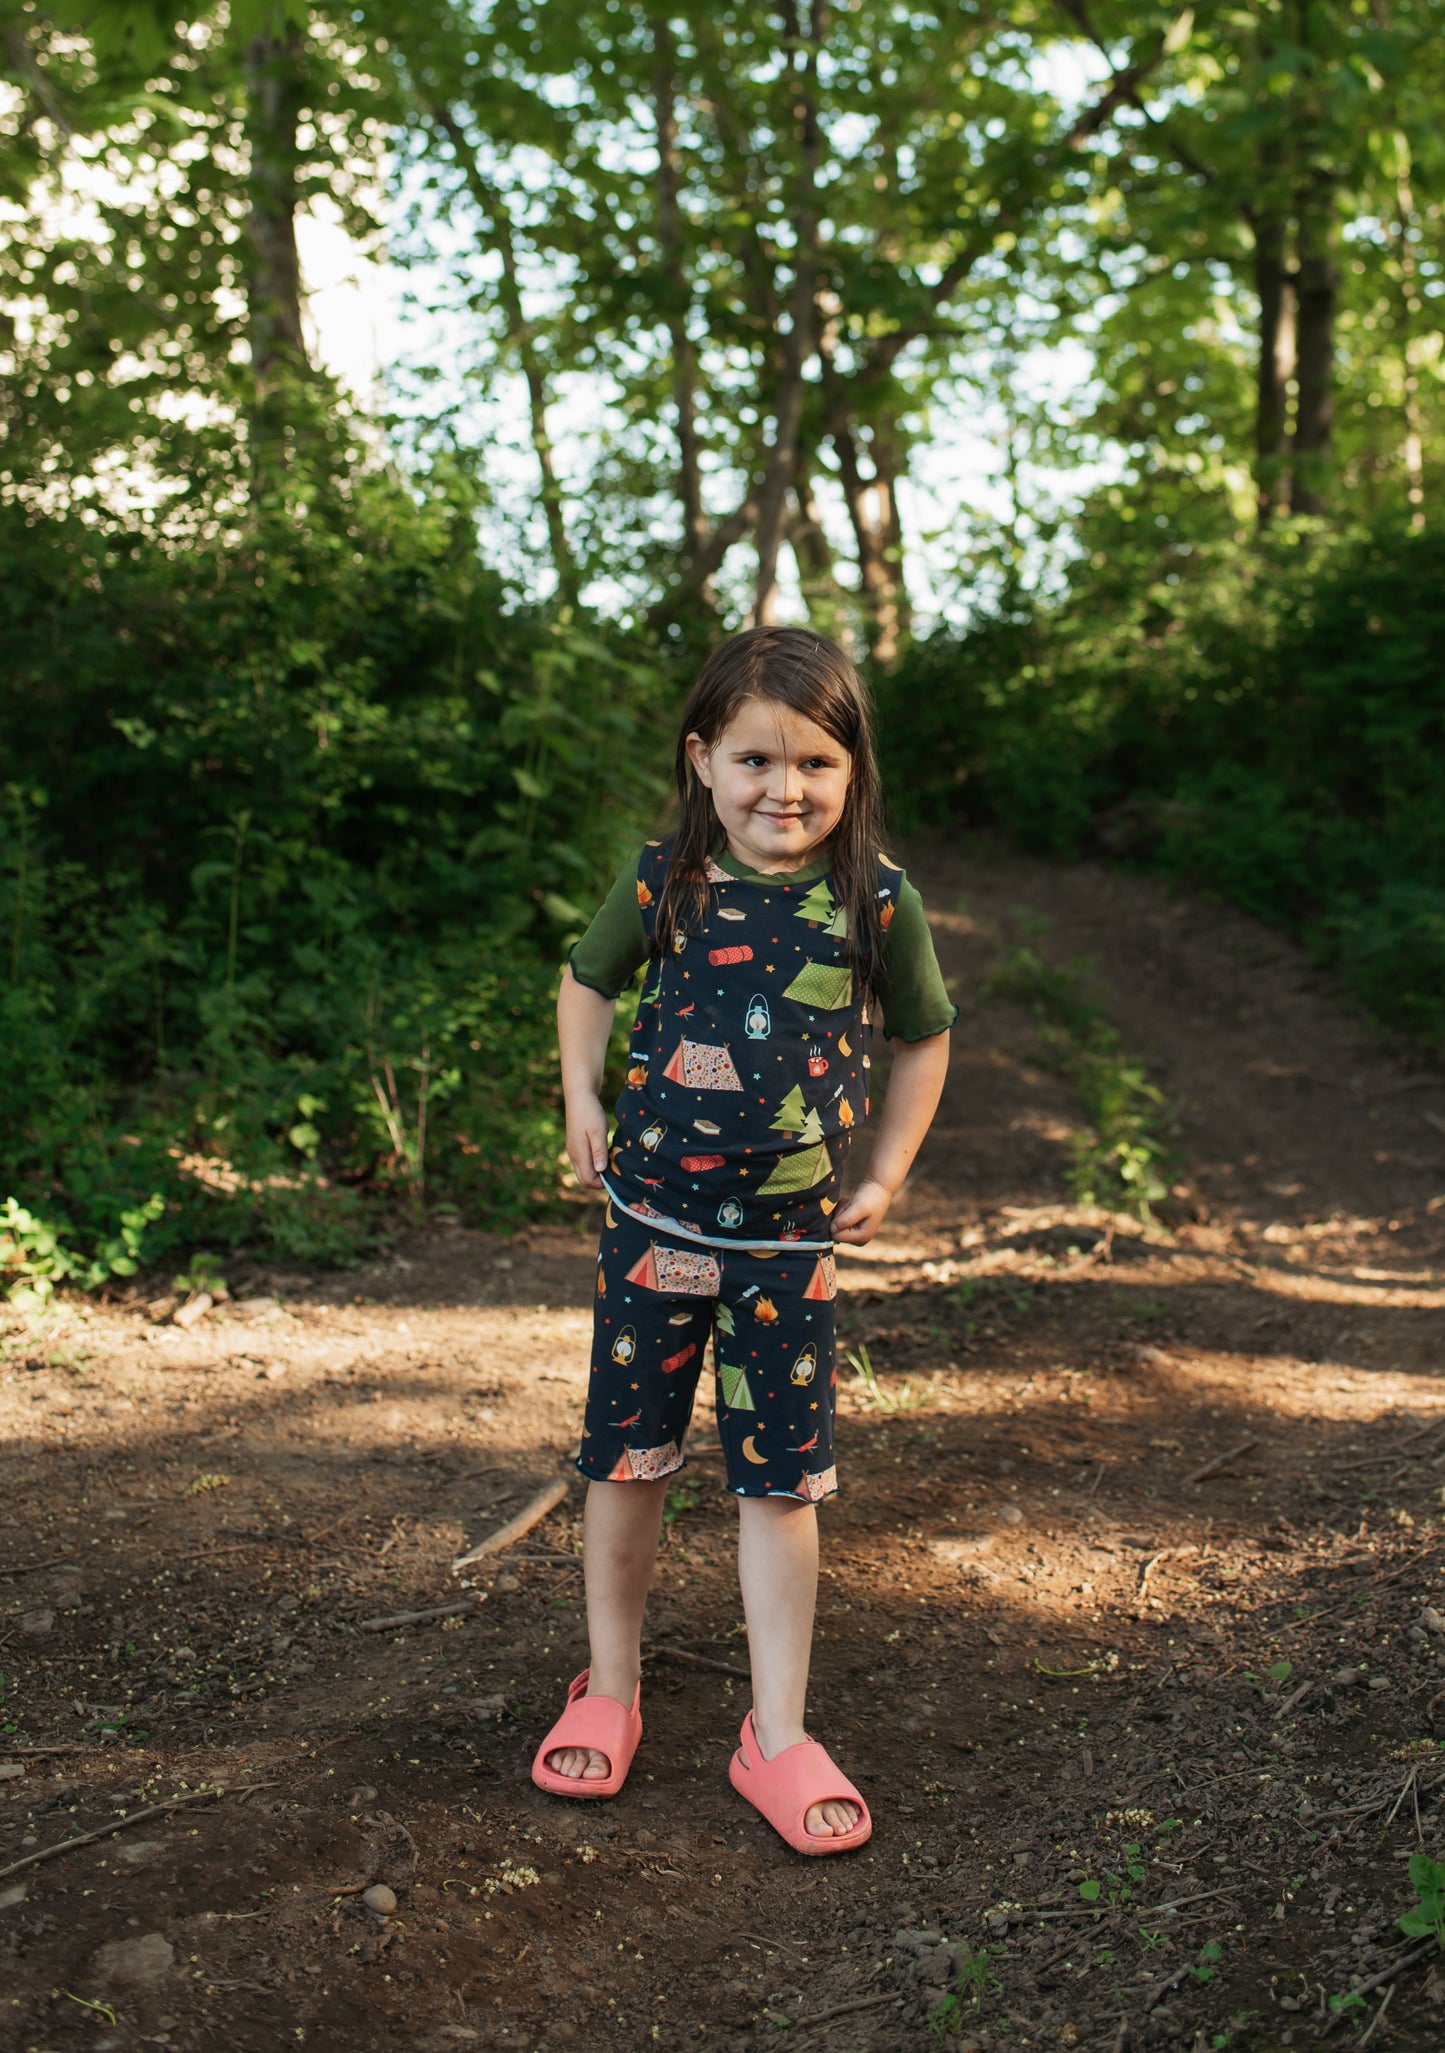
x: 601, y: 1723
x: 784, y: 1789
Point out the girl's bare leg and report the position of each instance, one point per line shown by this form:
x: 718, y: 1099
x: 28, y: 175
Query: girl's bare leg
x: 620, y: 1528
x: 778, y: 1570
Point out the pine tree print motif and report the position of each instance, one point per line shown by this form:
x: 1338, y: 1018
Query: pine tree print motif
x: 792, y: 1114
x: 820, y: 909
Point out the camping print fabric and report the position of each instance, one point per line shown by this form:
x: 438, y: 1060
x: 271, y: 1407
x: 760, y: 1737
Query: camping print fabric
x: 748, y: 1068
x: 771, y: 1322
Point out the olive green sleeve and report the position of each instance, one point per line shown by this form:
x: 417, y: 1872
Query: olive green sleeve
x: 614, y: 948
x: 910, y: 990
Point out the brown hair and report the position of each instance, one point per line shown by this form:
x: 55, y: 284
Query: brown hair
x: 793, y: 667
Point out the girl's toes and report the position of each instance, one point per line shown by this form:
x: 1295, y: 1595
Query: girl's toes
x: 597, y: 1767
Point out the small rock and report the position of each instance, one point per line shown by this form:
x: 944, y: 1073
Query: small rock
x: 10, y: 1771
x: 488, y: 1707
x: 364, y: 1794
x: 194, y: 1308
x: 506, y: 1583
x: 1011, y: 1515
x: 380, y: 1899
x: 917, y: 1939
x: 139, y: 1853
x: 1343, y: 1677
x: 1380, y: 1682
x: 140, y: 1963
x: 936, y: 1967
x: 37, y: 1621
x: 1432, y: 1620
x: 12, y: 1896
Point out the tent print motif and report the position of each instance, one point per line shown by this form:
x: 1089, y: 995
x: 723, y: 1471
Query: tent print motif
x: 826, y: 985
x: 677, y: 1272
x: 703, y: 1067
x: 799, y: 1172
x: 823, y: 1283
x: 736, y: 1393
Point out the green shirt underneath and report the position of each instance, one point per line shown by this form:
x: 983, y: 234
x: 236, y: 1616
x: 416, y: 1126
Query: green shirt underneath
x: 909, y: 987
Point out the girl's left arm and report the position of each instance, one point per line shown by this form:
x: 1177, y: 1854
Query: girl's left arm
x: 914, y: 1089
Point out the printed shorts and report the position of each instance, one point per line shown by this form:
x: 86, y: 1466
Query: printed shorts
x: 770, y: 1319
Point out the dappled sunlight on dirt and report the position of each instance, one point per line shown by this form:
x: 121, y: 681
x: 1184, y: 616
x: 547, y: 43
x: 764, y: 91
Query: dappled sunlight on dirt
x: 1132, y: 1624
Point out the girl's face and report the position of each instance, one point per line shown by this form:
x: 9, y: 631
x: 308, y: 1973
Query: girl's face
x: 778, y: 782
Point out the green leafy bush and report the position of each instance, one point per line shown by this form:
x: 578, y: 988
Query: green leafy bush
x: 301, y: 823
x: 1267, y: 721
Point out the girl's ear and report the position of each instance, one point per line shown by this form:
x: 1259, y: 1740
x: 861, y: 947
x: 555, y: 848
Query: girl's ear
x: 699, y: 754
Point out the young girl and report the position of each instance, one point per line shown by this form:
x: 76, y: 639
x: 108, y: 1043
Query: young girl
x: 772, y: 926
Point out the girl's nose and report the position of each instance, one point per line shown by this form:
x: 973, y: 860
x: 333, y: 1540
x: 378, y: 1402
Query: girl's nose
x: 790, y: 783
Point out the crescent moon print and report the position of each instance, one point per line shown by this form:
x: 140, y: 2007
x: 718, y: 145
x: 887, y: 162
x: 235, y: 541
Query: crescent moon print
x: 751, y: 1453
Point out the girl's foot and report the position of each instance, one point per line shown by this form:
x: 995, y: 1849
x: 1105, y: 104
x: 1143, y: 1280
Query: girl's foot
x: 798, y: 1789
x: 589, y: 1750
x: 827, y: 1820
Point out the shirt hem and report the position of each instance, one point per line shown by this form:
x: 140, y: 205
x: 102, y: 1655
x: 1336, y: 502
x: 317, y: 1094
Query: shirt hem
x: 931, y: 1034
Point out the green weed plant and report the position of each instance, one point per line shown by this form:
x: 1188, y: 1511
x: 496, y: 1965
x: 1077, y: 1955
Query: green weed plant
x: 1122, y: 1160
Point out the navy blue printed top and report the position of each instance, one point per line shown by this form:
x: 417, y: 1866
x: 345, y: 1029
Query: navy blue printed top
x: 748, y: 1070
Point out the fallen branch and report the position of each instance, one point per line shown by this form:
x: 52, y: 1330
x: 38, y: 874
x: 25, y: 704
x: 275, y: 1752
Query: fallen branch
x: 68, y: 1746
x: 193, y: 1796
x: 1296, y: 1697
x: 698, y: 1661
x: 1161, y: 1989
x: 1212, y: 1468
x: 1386, y: 1974
x: 29, y: 1567
x: 806, y: 2024
x: 414, y: 1617
x: 532, y: 1513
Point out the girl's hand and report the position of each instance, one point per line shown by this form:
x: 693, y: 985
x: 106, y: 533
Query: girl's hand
x: 861, y: 1215
x: 587, y: 1140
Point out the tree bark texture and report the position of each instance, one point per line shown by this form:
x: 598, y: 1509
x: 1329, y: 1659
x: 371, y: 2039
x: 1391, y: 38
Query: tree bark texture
x: 788, y: 411
x: 1273, y: 286
x: 677, y: 292
x: 521, y: 335
x: 274, y: 100
x: 1316, y: 294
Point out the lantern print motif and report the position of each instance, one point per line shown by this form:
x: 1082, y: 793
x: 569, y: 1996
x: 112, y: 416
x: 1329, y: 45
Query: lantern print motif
x: 651, y: 1136
x: 806, y: 1366
x: 759, y: 1023
x: 624, y: 1347
x: 729, y: 1213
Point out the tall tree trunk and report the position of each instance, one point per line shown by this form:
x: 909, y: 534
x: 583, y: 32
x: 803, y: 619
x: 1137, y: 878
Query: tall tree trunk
x: 1410, y: 310
x: 1316, y: 294
x: 522, y: 336
x: 872, y: 503
x: 813, y: 554
x: 275, y: 95
x: 1272, y: 284
x: 788, y: 413
x: 677, y: 291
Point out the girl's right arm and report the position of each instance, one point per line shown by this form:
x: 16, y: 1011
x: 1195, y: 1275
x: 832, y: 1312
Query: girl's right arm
x: 584, y: 1025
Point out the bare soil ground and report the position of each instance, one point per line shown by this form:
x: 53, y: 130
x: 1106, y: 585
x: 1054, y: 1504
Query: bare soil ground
x: 1133, y: 1473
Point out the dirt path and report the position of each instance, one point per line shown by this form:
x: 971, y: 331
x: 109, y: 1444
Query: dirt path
x: 1108, y: 1814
